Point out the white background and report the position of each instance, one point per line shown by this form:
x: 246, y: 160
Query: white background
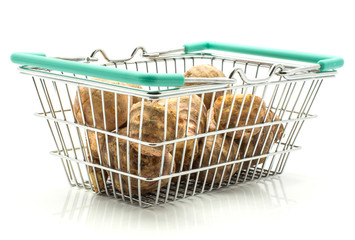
x: 313, y: 198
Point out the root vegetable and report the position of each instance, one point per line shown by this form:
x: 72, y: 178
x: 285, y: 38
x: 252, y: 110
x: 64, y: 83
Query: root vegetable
x: 247, y: 115
x: 149, y: 167
x: 211, y: 154
x: 110, y: 105
x: 190, y: 122
x: 262, y: 142
x: 205, y: 71
x: 152, y: 128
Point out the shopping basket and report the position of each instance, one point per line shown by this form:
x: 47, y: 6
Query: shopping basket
x: 154, y: 128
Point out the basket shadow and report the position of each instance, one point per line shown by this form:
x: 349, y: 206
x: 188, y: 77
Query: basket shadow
x: 236, y: 202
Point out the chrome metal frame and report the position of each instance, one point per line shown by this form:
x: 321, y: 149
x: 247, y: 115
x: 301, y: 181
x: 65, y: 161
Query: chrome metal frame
x: 287, y: 89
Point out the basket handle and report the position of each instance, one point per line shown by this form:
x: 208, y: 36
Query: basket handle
x: 120, y: 75
x: 326, y: 62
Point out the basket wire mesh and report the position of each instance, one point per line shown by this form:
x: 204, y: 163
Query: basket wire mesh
x: 289, y: 100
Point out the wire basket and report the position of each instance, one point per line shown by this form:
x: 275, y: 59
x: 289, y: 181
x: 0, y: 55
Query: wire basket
x: 157, y: 129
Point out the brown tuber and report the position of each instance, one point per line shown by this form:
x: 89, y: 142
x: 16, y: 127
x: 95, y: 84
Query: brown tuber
x: 205, y: 71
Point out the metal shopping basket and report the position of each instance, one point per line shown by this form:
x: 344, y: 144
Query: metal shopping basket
x: 139, y: 130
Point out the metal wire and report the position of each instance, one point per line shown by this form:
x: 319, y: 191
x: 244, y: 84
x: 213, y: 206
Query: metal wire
x: 290, y: 98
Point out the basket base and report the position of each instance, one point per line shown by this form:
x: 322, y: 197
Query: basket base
x: 173, y: 191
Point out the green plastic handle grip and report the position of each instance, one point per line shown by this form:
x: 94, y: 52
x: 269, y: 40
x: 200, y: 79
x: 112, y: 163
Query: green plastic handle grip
x: 326, y: 62
x: 120, y: 75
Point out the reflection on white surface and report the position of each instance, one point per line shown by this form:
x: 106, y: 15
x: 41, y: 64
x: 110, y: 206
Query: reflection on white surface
x: 237, y: 202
